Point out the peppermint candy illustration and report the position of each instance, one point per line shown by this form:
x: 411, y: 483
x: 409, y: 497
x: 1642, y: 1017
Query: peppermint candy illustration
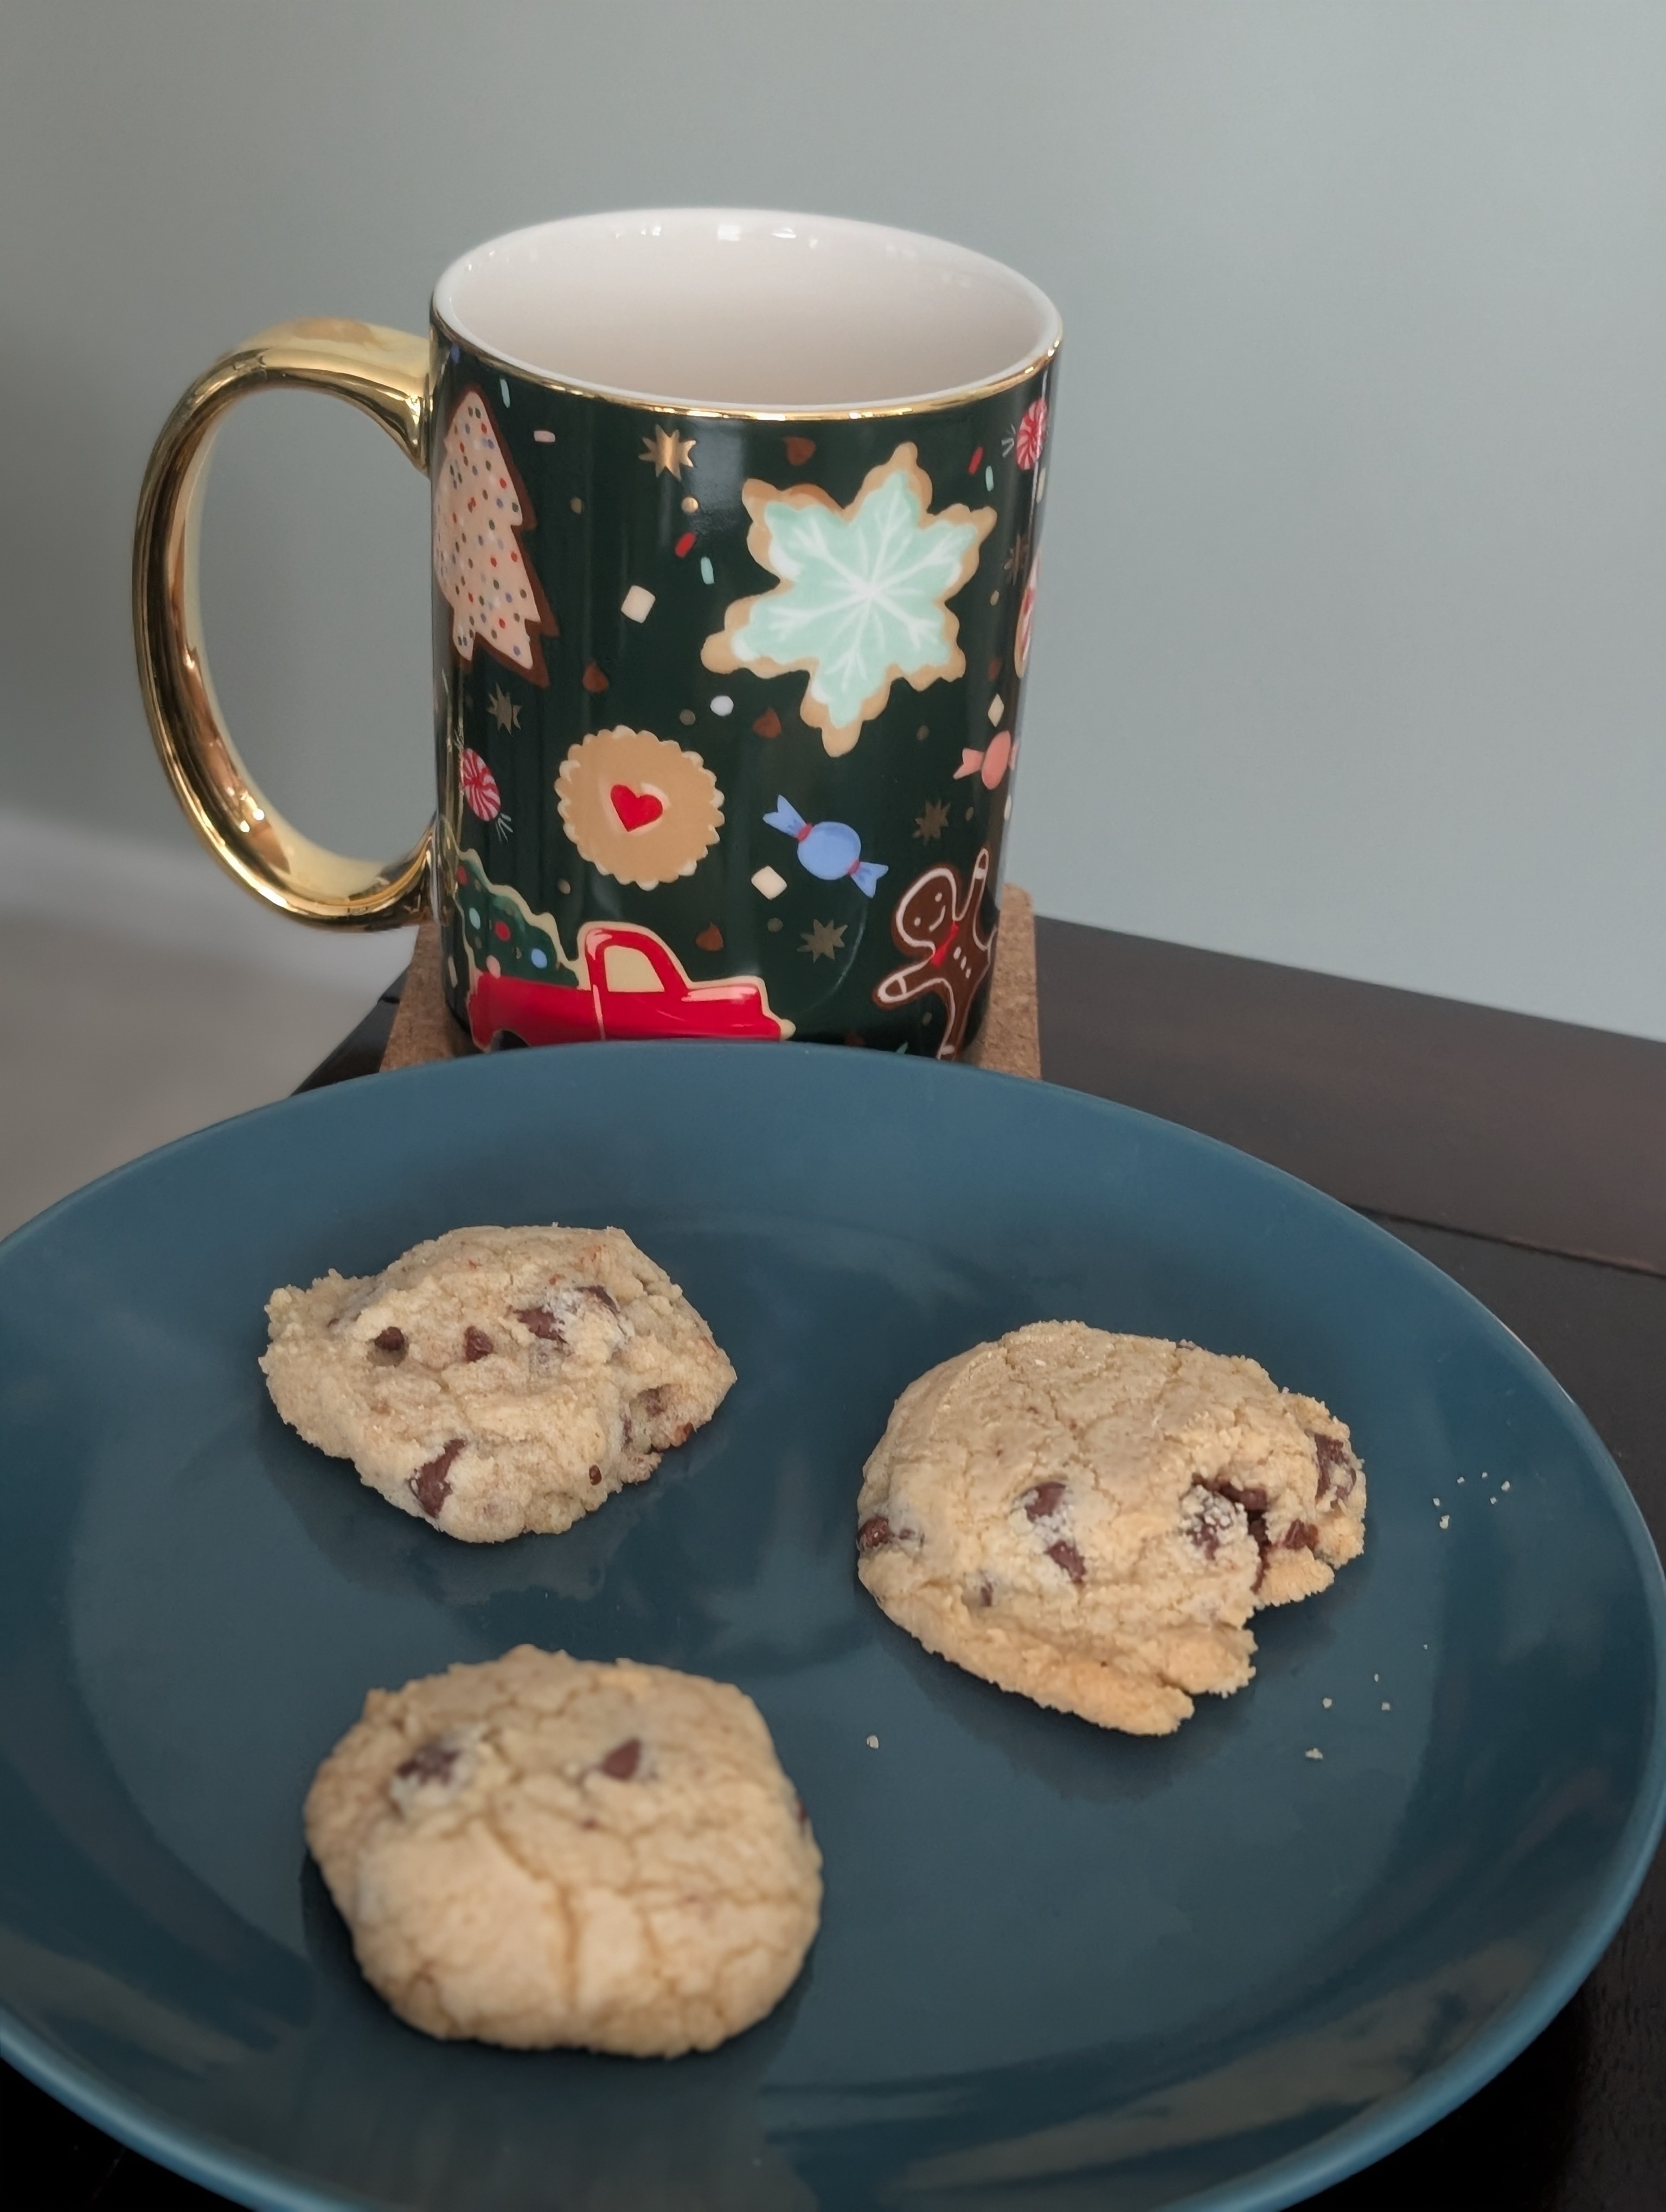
x: 480, y: 790
x: 1031, y: 434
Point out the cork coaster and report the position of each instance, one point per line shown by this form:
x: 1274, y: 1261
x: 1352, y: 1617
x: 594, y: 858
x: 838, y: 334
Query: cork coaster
x: 424, y: 1028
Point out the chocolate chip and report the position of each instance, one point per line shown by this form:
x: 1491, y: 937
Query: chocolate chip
x: 681, y: 1432
x: 1042, y: 1500
x: 432, y: 1761
x: 986, y: 1593
x: 391, y: 1340
x: 477, y: 1345
x: 623, y: 1760
x: 1064, y: 1554
x: 652, y: 1403
x: 431, y: 1485
x: 542, y: 1323
x: 549, y: 1320
x: 797, y: 1807
x: 595, y: 1474
x: 1300, y: 1536
x: 1332, y: 1456
x: 873, y: 1533
x: 1210, y: 1519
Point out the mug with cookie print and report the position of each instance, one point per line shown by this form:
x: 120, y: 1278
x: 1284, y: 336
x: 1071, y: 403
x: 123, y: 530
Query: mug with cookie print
x: 735, y: 519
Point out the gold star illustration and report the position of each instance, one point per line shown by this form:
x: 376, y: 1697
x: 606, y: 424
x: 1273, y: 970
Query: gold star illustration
x: 669, y: 454
x: 931, y: 822
x: 502, y: 709
x: 822, y: 940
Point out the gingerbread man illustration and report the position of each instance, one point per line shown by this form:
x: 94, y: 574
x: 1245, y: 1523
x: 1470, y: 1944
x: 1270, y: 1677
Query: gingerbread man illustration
x: 933, y: 920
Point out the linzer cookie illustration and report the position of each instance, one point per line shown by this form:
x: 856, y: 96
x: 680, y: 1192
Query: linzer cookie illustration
x: 639, y: 808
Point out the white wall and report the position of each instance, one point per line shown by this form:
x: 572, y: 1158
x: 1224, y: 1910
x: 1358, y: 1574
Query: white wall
x: 1351, y: 653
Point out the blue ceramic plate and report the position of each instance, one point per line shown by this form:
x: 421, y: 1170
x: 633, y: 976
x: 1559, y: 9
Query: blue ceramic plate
x: 1057, y: 1966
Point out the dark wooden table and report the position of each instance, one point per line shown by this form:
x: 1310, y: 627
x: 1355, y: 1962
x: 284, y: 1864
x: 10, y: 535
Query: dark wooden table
x: 1528, y: 1158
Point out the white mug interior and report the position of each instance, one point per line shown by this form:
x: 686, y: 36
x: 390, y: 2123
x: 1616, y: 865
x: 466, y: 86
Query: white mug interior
x: 735, y: 308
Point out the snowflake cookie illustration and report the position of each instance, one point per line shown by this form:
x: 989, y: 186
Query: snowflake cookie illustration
x: 638, y: 807
x: 863, y: 598
x: 937, y: 922
x: 480, y: 510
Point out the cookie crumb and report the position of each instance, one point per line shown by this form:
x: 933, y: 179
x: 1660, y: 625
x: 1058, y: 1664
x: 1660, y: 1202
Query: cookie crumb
x: 1446, y: 1520
x: 872, y: 1742
x: 1387, y: 1707
x: 1314, y: 1753
x: 1327, y: 1703
x: 1504, y: 1485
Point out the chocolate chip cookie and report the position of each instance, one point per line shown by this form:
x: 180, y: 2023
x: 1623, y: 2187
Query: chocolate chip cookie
x: 497, y: 1381
x: 1091, y: 1519
x: 544, y: 1850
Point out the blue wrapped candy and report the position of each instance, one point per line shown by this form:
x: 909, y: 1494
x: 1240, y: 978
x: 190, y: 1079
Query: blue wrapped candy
x: 828, y: 849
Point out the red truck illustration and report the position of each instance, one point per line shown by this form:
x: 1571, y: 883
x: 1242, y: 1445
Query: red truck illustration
x: 637, y: 987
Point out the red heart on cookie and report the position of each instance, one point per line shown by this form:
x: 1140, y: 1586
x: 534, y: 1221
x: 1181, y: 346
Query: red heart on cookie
x: 636, y: 809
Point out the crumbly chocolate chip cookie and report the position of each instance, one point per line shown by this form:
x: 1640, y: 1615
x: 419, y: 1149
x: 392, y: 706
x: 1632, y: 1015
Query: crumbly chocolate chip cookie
x: 545, y: 1850
x: 497, y: 1381
x: 1091, y: 1519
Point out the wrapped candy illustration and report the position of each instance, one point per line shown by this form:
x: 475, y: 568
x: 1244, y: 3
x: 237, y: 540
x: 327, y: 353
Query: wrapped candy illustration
x: 989, y: 766
x: 828, y: 849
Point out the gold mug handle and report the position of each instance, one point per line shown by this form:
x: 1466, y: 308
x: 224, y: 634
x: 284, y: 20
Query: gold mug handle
x: 385, y: 374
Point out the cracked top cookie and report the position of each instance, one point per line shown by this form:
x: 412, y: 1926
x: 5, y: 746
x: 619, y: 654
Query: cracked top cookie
x: 544, y: 1850
x: 1091, y: 1519
x: 497, y: 1381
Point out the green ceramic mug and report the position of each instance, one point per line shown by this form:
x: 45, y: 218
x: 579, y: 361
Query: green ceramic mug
x: 735, y: 520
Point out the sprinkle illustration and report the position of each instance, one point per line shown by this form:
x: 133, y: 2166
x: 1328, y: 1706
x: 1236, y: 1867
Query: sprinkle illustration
x: 828, y: 849
x: 990, y: 766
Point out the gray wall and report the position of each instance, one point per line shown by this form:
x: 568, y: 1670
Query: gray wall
x: 1351, y: 650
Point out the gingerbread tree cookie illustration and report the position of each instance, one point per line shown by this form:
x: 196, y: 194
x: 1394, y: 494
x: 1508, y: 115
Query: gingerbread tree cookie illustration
x: 862, y: 602
x: 937, y: 922
x: 480, y: 510
x: 638, y: 807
